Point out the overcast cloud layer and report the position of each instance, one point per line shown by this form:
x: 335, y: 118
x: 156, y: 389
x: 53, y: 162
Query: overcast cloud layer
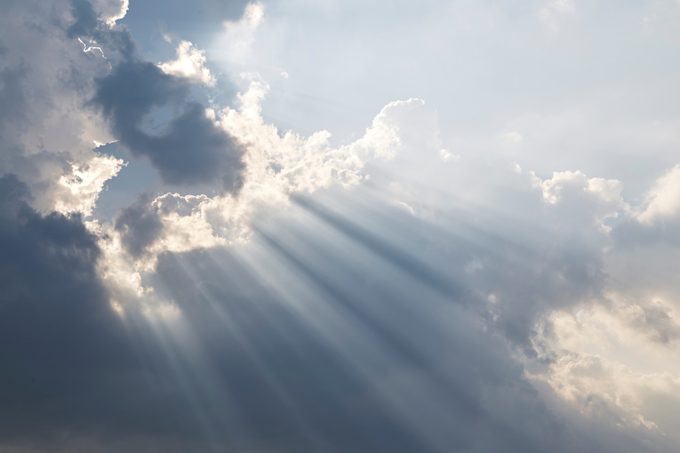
x: 482, y: 257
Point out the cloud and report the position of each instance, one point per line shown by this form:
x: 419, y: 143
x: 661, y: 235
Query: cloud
x: 45, y: 130
x: 234, y: 44
x: 82, y: 187
x: 191, y: 149
x: 650, y: 228
x: 512, y: 137
x: 550, y: 13
x: 300, y: 294
x: 323, y: 330
x: 306, y: 291
x: 605, y: 360
x: 74, y: 371
x: 663, y: 200
x: 276, y: 166
x: 188, y: 149
x: 190, y: 64
x: 111, y: 11
x: 656, y: 320
x: 61, y: 344
x: 139, y: 225
x: 600, y: 199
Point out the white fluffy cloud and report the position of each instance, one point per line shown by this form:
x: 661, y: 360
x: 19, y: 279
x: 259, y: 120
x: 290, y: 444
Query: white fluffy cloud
x: 600, y: 198
x: 111, y: 11
x: 81, y: 188
x: 663, y: 200
x: 189, y: 63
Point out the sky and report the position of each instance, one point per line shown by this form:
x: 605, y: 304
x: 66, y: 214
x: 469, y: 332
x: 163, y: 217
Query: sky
x: 339, y: 226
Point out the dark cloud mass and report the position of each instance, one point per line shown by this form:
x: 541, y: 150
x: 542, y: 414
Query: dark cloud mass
x: 190, y: 149
x: 347, y: 358
x: 139, y: 225
x: 59, y: 341
x: 73, y: 378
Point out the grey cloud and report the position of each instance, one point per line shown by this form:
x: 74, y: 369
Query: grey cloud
x: 189, y: 149
x: 527, y: 257
x: 294, y: 391
x: 118, y: 42
x: 139, y: 225
x: 53, y: 94
x: 192, y: 150
x: 74, y: 377
x: 355, y: 354
x: 643, y: 260
x: 85, y: 20
x: 656, y: 322
x: 392, y: 253
x: 59, y: 340
x: 631, y: 234
x: 342, y: 337
x: 11, y: 95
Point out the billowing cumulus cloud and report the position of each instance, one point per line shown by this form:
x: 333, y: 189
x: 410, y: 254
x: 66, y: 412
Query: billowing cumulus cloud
x: 190, y: 63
